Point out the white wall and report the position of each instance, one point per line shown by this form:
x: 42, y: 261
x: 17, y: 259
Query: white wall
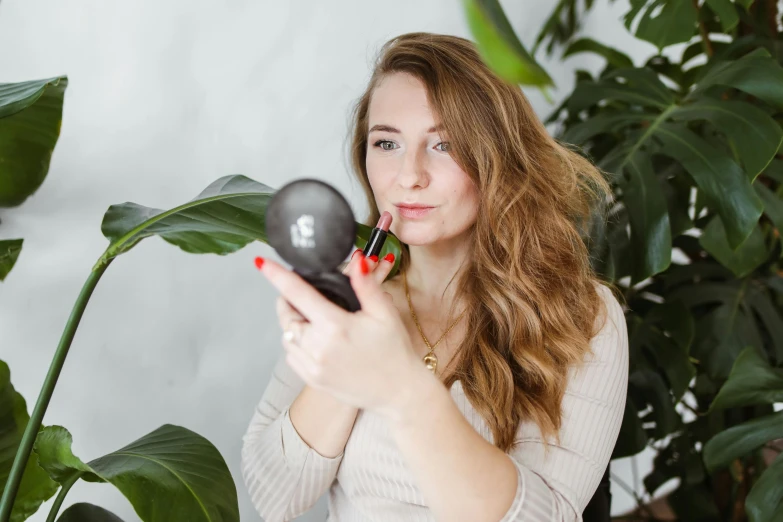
x: 164, y: 98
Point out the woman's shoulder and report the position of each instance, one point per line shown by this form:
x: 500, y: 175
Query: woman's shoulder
x: 610, y: 343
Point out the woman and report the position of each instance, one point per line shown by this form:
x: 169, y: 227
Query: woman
x: 512, y: 413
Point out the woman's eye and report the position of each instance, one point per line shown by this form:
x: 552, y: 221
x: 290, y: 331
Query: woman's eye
x: 446, y: 144
x: 381, y: 143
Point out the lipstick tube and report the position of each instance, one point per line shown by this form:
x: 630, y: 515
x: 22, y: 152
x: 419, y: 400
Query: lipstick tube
x: 378, y: 236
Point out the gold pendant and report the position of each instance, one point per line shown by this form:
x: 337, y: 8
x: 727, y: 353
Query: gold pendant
x: 431, y: 361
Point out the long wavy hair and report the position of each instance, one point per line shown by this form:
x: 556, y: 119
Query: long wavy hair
x: 529, y: 289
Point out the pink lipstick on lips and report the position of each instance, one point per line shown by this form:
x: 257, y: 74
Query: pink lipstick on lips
x: 378, y: 235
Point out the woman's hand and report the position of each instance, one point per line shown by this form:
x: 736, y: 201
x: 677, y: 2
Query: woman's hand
x: 365, y: 358
x: 379, y: 270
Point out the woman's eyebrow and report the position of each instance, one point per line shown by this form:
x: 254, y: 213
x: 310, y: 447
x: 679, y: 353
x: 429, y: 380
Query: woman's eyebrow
x: 389, y: 128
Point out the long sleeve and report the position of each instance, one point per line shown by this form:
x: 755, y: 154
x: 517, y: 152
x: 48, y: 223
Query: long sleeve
x: 558, y: 486
x: 283, y: 474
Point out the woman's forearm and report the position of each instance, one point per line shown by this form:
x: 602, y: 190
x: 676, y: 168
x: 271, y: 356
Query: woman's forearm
x: 322, y: 421
x: 462, y: 476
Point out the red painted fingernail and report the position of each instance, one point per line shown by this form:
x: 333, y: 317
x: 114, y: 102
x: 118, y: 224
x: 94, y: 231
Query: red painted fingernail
x: 363, y: 264
x: 259, y: 262
x: 374, y: 259
x: 389, y: 257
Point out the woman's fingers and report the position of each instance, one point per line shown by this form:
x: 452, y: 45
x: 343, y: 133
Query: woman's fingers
x: 383, y: 267
x: 286, y: 313
x: 380, y: 268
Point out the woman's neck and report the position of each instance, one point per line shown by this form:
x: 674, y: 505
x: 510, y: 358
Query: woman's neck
x: 434, y: 272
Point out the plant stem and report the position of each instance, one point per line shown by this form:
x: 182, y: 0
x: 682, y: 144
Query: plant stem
x: 705, y: 38
x: 34, y: 425
x: 61, y: 496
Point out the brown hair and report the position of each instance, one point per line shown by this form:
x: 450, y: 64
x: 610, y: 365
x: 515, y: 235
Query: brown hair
x: 529, y: 287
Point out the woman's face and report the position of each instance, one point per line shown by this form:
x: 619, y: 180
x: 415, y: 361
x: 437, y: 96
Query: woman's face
x: 409, y: 162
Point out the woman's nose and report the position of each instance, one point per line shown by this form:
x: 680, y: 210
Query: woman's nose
x: 414, y: 168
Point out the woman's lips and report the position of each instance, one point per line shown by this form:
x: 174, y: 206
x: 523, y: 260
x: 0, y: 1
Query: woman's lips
x: 411, y: 212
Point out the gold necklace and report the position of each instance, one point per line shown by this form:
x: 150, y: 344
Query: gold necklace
x: 430, y: 360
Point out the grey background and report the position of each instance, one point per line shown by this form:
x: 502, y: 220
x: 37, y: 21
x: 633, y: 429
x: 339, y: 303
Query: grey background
x: 164, y: 97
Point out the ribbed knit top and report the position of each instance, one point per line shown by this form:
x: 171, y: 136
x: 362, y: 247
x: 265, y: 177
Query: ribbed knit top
x: 370, y: 482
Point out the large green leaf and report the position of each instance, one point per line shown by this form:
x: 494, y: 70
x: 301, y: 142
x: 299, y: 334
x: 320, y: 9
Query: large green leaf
x: 674, y: 22
x: 765, y: 500
x: 724, y: 330
x: 604, y: 122
x: 650, y: 231
x: 755, y: 136
x: 769, y: 315
x: 9, y: 252
x: 756, y: 73
x: 223, y: 218
x: 740, y: 440
x: 773, y: 206
x: 84, y: 512
x: 30, y: 118
x: 170, y: 475
x: 742, y: 261
x: 639, y: 86
x: 632, y: 438
x: 649, y: 388
x: 720, y: 178
x: 726, y: 13
x: 36, y: 486
x: 613, y: 56
x: 751, y: 381
x: 499, y: 46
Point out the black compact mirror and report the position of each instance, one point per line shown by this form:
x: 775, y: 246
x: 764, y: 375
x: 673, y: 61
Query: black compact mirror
x: 311, y: 226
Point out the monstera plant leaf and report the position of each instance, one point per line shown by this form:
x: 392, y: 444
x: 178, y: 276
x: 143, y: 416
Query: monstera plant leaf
x: 499, y: 46
x: 169, y: 475
x: 84, y: 512
x: 225, y: 217
x: 752, y: 381
x: 36, y: 486
x: 30, y: 118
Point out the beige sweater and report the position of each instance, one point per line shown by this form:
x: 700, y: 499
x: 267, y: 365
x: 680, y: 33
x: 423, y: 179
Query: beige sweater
x: 370, y: 482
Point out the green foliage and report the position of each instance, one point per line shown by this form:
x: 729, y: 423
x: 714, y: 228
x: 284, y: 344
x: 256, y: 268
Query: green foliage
x: 30, y: 119
x: 694, y: 151
x: 169, y: 474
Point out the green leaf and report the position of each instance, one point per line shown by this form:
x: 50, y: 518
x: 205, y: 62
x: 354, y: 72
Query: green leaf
x: 84, y: 512
x: 765, y: 500
x: 720, y: 178
x: 30, y: 118
x: 36, y: 486
x: 499, y: 46
x: 740, y: 440
x: 647, y: 212
x: 725, y: 12
x: 170, y: 475
x: 751, y: 381
x: 223, y: 218
x: 640, y: 87
x: 655, y: 392
x: 756, y: 73
x: 769, y: 316
x: 742, y: 261
x: 754, y: 134
x: 9, y: 252
x: 723, y: 331
x: 675, y: 23
x: 612, y: 56
x: 773, y: 205
x: 632, y: 438
x: 603, y: 122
